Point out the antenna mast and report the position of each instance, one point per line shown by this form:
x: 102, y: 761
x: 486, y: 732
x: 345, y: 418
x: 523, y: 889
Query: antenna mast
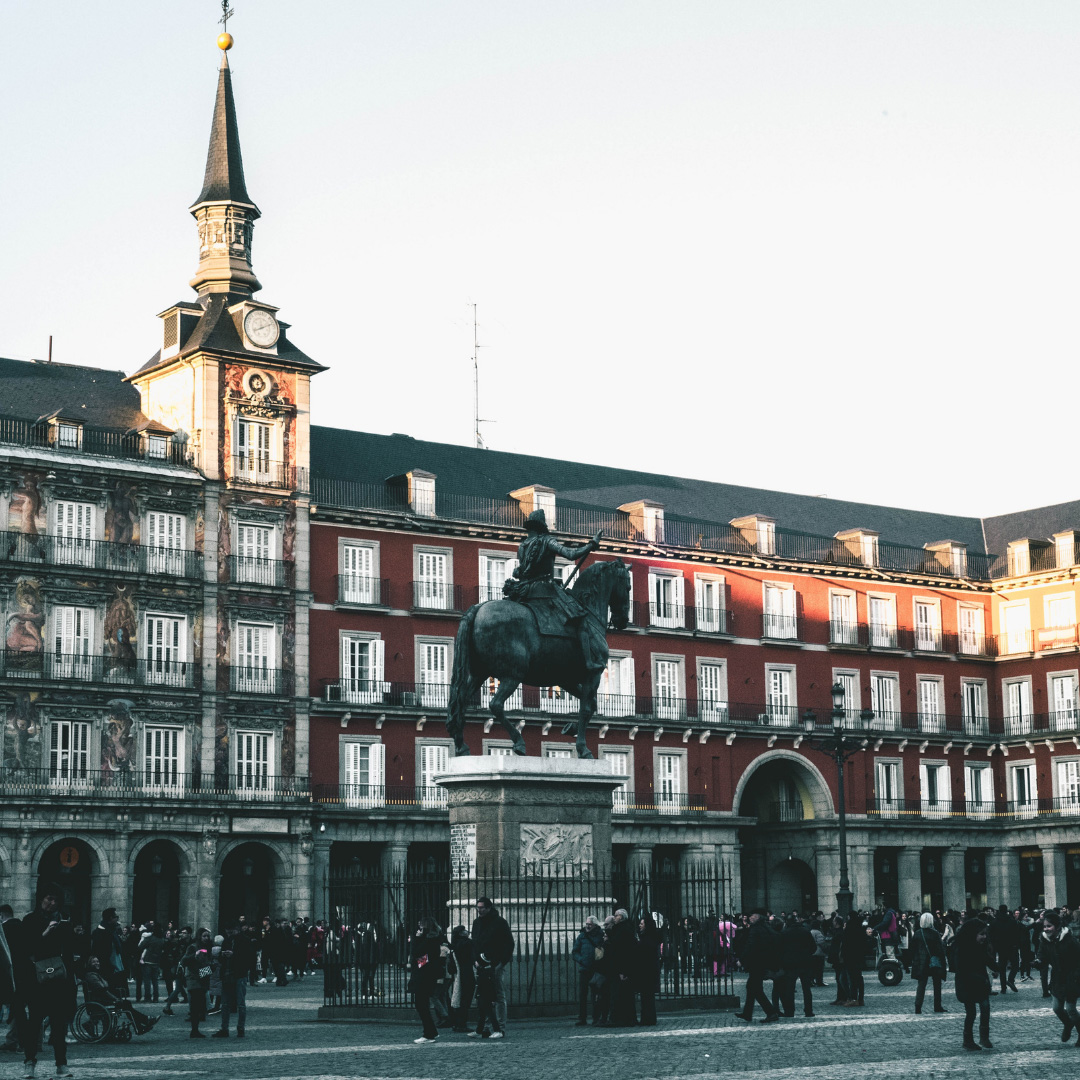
x: 477, y: 438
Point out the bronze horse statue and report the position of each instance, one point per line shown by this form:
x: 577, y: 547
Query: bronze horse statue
x: 500, y: 638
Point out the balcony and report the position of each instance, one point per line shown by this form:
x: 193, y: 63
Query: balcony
x: 110, y: 670
x: 16, y: 547
x: 969, y: 643
x: 437, y: 596
x: 779, y: 812
x: 150, y: 783
x: 1060, y: 807
x: 1056, y: 637
x: 257, y: 470
x: 248, y: 570
x: 700, y: 620
x: 93, y: 440
x: 380, y: 797
x: 779, y: 627
x: 258, y: 679
x: 363, y: 590
x: 1015, y: 642
x: 843, y: 632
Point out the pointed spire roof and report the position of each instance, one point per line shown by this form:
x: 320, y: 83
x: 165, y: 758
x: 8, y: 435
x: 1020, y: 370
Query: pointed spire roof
x: 224, y: 179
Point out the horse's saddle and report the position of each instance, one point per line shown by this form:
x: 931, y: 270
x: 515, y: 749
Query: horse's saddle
x: 547, y: 609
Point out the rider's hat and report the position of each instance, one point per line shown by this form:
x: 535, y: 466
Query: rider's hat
x: 536, y: 522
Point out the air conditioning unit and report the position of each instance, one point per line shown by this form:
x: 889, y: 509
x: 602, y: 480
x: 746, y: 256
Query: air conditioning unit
x: 332, y: 692
x: 409, y: 698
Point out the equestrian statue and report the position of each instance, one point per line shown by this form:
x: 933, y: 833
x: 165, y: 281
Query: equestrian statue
x: 541, y: 634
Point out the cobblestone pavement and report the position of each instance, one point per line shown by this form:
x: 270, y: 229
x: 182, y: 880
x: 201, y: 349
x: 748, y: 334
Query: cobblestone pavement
x: 882, y: 1041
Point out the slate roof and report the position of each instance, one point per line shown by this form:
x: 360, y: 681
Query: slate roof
x: 224, y: 179
x: 1040, y: 523
x: 339, y: 454
x: 32, y: 389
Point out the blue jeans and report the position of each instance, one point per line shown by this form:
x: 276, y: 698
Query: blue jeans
x: 234, y: 1000
x: 150, y: 975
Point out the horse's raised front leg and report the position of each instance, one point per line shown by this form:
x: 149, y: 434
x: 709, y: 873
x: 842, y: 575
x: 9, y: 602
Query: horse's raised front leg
x: 498, y: 700
x: 585, y: 714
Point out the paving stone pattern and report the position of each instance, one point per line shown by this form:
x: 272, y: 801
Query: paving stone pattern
x: 884, y: 1040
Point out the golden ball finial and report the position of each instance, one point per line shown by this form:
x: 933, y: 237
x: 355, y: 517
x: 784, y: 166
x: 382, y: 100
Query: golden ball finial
x: 225, y: 42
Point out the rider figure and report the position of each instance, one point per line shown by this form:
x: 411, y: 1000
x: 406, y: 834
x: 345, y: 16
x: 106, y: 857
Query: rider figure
x: 535, y: 579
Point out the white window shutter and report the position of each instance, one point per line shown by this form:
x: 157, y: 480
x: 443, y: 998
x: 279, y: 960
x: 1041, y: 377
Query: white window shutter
x: 378, y: 662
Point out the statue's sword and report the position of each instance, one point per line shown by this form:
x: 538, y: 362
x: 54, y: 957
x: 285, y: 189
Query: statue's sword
x: 578, y: 565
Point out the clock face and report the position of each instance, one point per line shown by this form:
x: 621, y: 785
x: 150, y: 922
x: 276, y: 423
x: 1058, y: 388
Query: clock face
x: 261, y: 328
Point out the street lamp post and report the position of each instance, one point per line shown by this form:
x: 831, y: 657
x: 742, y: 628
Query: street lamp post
x: 839, y: 746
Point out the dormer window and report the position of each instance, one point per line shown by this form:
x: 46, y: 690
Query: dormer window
x: 422, y: 494
x: 862, y: 543
x: 951, y: 555
x: 758, y: 531
x: 536, y: 497
x: 68, y: 435
x: 646, y: 519
x: 157, y: 446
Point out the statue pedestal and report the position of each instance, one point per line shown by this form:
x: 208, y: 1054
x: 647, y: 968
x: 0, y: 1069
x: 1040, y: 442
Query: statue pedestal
x: 529, y: 815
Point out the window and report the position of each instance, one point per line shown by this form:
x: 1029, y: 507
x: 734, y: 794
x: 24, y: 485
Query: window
x: 667, y: 692
x: 669, y: 787
x: 1063, y: 701
x: 936, y: 793
x: 68, y: 436
x: 553, y: 750
x: 494, y: 570
x: 665, y: 600
x: 849, y: 680
x: 883, y: 622
x: 69, y: 752
x: 362, y: 765
x: 1024, y: 793
x: 885, y: 699
x: 165, y: 543
x: 709, y: 601
x: 1016, y: 619
x: 971, y: 629
x: 927, y: 626
x: 619, y: 759
x: 163, y: 768
x: 433, y: 673
x: 712, y: 692
x: 423, y: 495
x: 432, y: 580
x: 166, y: 650
x: 157, y: 446
x: 843, y: 625
x: 1068, y: 783
x: 362, y: 670
x: 1060, y: 611
x: 73, y: 530
x: 780, y: 702
x: 888, y: 789
x: 489, y: 689
x: 616, y: 696
x: 868, y: 546
x: 253, y: 761
x: 1065, y: 549
x: 359, y: 582
x: 254, y: 555
x: 779, y: 619
x: 433, y: 761
x: 978, y: 791
x: 973, y: 704
x: 931, y: 704
x: 1017, y: 695
x: 789, y: 804
x: 554, y: 699
x: 766, y: 537
x: 1019, y: 558
x: 256, y: 662
x: 73, y: 629
x: 252, y: 450
x: 498, y: 749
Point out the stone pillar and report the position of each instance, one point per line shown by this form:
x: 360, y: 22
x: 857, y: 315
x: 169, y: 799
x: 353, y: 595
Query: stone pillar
x: 393, y: 866
x: 120, y: 884
x: 1002, y: 877
x: 909, y: 875
x: 828, y: 878
x: 730, y: 864
x: 861, y: 872
x: 320, y: 872
x: 1053, y: 876
x: 953, y: 878
x: 206, y: 872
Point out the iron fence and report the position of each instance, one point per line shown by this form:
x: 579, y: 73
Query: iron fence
x: 374, y: 913
x: 91, y: 439
x: 74, y: 551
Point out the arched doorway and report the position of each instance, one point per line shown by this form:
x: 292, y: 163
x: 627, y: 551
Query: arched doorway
x: 792, y: 887
x: 69, y: 866
x: 156, y: 891
x: 247, y: 879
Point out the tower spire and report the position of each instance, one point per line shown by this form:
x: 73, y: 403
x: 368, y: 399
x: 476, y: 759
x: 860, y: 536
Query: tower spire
x: 224, y: 210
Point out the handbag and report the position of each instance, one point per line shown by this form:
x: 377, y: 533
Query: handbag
x: 936, y: 963
x: 51, y: 970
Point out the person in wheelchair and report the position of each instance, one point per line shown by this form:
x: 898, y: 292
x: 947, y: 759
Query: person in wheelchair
x: 95, y: 988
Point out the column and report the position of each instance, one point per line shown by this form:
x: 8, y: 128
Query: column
x: 1053, y: 876
x: 827, y: 865
x: 639, y: 873
x: 861, y: 873
x: 320, y: 873
x: 730, y: 865
x: 23, y: 876
x: 909, y: 877
x: 953, y: 878
x: 393, y: 867
x: 1002, y: 877
x: 119, y: 888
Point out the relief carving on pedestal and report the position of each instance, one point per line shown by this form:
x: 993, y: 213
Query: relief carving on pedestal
x: 562, y: 844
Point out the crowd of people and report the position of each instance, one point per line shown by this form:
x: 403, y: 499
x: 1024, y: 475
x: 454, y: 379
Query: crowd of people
x: 45, y: 959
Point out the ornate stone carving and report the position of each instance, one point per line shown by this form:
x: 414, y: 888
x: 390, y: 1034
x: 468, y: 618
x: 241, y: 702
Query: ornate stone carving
x: 510, y: 796
x: 307, y: 843
x: 209, y: 842
x: 557, y: 844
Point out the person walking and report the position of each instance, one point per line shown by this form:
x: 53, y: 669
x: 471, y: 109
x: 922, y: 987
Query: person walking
x: 425, y: 971
x: 151, y: 954
x: 1065, y: 978
x: 485, y: 1002
x: 927, y: 961
x: 589, y: 939
x: 760, y: 956
x: 648, y: 968
x: 974, y: 954
x: 236, y: 959
x: 1044, y: 948
x: 18, y: 981
x: 853, y: 956
x: 493, y: 941
x: 198, y: 966
x: 49, y: 942
x: 1005, y: 937
x: 367, y: 959
x: 107, y: 945
x: 174, y: 956
x: 796, y: 962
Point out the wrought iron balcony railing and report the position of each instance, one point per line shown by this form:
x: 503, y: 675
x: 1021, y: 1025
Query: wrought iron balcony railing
x: 780, y: 627
x: 95, y: 668
x: 437, y: 596
x: 94, y: 440
x: 46, y: 549
x: 363, y: 589
x: 257, y: 679
x: 249, y: 570
x: 259, y: 471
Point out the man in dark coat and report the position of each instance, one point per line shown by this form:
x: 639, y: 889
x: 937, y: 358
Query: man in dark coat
x: 17, y: 981
x: 107, y: 945
x: 796, y: 960
x: 760, y: 956
x: 1064, y: 956
x: 1005, y: 937
x: 49, y: 936
x: 493, y: 944
x: 586, y: 943
x: 621, y: 970
x: 973, y: 954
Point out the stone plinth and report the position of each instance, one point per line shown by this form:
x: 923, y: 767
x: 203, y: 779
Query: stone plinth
x: 530, y: 814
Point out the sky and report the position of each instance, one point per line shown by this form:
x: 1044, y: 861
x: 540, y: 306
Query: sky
x: 822, y: 247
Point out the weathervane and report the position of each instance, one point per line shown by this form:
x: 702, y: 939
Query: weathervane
x: 225, y: 39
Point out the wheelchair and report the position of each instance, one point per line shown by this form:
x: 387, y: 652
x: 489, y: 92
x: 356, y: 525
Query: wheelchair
x: 96, y: 1023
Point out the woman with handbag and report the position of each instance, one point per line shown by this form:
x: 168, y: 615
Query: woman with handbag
x: 425, y: 973
x: 50, y: 941
x: 927, y: 961
x: 198, y: 965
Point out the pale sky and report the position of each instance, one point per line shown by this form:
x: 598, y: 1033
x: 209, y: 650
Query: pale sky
x: 824, y: 247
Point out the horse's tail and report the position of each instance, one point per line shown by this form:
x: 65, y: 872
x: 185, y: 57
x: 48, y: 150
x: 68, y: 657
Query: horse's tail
x: 461, y: 677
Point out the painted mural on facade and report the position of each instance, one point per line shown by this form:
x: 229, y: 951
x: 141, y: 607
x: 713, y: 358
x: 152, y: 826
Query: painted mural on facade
x: 24, y: 628
x: 122, y: 514
x: 26, y: 508
x: 120, y: 630
x: 118, y: 743
x: 22, y: 732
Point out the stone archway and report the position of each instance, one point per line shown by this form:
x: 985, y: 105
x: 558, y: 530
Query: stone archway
x: 781, y: 786
x: 156, y: 883
x: 71, y: 867
x: 249, y: 874
x: 792, y: 886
